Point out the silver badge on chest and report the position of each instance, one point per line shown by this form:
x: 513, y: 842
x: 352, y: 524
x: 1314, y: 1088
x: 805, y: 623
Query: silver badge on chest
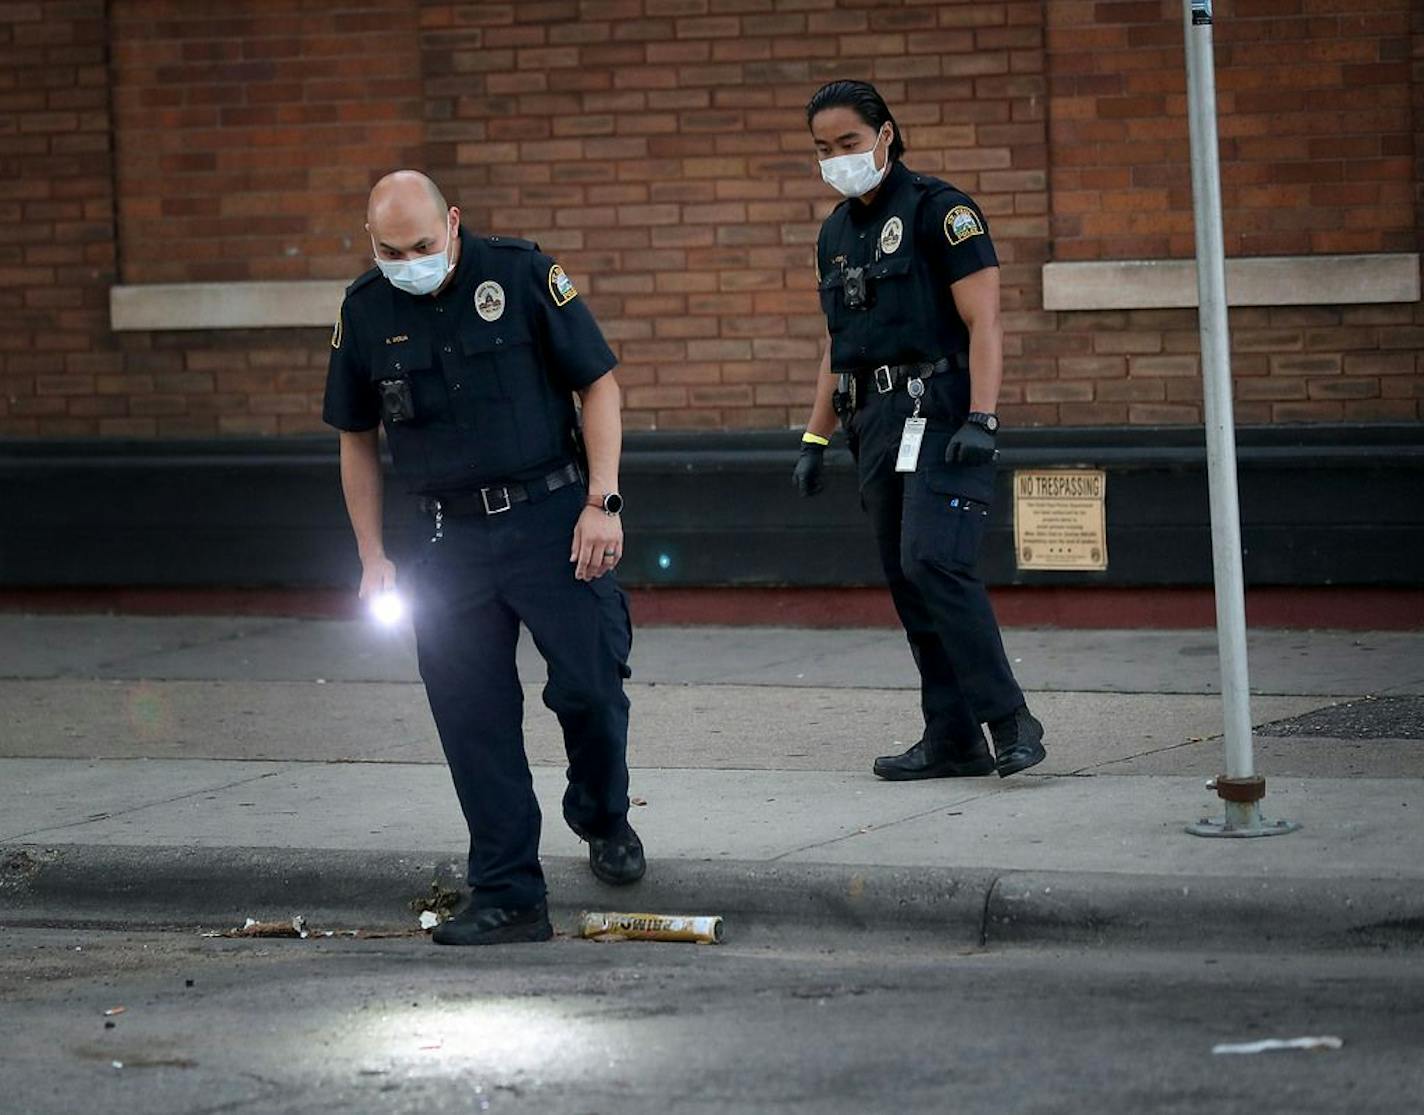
x: 891, y: 236
x: 489, y: 300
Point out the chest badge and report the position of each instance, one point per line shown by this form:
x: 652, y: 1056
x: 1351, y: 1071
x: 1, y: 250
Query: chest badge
x: 891, y: 236
x: 489, y: 300
x: 960, y: 223
x: 561, y: 287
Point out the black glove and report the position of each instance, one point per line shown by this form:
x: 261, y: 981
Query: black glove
x: 807, y: 475
x: 971, y: 445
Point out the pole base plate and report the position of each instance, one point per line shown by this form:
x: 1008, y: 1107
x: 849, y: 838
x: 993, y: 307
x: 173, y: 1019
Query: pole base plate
x: 1208, y: 827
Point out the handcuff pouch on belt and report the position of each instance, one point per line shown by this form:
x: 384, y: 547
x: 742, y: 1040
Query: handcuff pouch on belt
x: 397, y: 401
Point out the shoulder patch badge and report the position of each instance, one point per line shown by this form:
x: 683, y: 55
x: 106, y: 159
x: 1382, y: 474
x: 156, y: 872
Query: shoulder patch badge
x: 960, y: 223
x: 336, y: 334
x: 561, y: 287
x: 891, y: 236
x: 489, y: 300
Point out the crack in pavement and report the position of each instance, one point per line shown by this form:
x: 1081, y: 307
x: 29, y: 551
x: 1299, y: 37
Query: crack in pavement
x: 5, y: 837
x: 229, y: 637
x: 815, y: 845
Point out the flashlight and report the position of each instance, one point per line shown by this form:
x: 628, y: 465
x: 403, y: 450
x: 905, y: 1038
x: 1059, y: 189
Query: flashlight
x: 387, y: 608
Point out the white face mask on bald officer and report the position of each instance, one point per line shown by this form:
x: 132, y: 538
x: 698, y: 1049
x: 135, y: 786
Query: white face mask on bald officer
x: 422, y: 275
x: 856, y: 175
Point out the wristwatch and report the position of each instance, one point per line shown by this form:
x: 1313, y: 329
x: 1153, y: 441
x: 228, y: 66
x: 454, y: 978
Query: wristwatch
x: 611, y: 503
x: 984, y: 420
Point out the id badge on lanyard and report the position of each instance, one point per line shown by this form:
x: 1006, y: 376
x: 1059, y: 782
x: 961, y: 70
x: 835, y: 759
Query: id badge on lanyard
x: 914, y: 432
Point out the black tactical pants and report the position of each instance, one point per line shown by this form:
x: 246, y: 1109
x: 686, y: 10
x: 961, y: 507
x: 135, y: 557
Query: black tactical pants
x: 472, y: 588
x: 929, y: 525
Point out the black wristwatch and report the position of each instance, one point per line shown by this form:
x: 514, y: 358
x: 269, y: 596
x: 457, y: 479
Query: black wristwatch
x: 610, y: 504
x: 984, y: 420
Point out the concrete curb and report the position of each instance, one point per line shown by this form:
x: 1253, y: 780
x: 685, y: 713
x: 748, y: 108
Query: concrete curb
x: 217, y: 888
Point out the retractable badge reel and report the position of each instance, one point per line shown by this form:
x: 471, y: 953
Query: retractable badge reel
x: 914, y: 432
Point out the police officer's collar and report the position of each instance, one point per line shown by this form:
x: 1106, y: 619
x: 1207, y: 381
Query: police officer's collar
x: 465, y: 268
x: 894, y: 178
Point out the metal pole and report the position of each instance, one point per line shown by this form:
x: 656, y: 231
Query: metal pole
x: 1239, y: 788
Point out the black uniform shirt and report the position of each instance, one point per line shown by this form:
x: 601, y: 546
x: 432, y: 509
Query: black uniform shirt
x: 916, y: 237
x: 474, y: 384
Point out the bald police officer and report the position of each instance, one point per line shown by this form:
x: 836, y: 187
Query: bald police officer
x: 469, y: 350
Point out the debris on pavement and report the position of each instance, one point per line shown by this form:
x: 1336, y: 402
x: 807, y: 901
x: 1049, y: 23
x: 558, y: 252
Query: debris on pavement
x: 113, y: 1011
x: 1272, y: 1045
x: 429, y: 919
x: 297, y: 927
x: 637, y: 801
x: 441, y: 901
x: 701, y: 930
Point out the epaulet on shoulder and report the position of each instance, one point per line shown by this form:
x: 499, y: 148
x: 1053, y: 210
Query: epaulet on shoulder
x: 511, y: 242
x: 363, y: 280
x: 932, y: 185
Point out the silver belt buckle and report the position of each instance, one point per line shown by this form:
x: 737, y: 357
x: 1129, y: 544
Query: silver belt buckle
x: 485, y: 495
x: 884, y: 380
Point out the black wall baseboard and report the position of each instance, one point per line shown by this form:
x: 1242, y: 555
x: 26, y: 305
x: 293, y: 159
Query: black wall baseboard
x: 1320, y: 505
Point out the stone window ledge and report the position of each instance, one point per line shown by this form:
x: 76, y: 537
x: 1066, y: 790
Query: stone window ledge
x: 1131, y: 284
x: 1150, y: 284
x: 262, y: 305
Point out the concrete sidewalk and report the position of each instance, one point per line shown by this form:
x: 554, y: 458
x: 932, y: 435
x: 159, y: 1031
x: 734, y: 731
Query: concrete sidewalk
x: 216, y: 764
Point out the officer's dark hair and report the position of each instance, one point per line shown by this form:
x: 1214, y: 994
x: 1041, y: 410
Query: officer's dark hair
x: 867, y: 102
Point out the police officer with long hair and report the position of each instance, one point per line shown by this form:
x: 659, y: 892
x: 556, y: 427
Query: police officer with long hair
x: 909, y: 283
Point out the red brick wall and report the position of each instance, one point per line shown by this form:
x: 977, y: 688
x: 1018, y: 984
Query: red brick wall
x: 1316, y: 126
x: 248, y: 134
x: 659, y: 148
x: 1318, y: 120
x: 56, y: 216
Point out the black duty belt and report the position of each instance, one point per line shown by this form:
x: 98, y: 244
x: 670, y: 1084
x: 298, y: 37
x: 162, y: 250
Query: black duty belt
x: 887, y: 377
x: 499, y: 498
x: 860, y: 385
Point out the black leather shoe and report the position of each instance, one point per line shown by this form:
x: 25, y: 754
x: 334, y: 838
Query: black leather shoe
x: 1018, y: 742
x: 925, y: 760
x: 617, y: 859
x: 495, y: 925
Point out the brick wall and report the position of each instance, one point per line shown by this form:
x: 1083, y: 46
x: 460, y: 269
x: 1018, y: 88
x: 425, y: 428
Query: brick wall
x: 56, y: 216
x: 1319, y: 115
x: 1316, y: 128
x: 659, y: 148
x: 247, y: 135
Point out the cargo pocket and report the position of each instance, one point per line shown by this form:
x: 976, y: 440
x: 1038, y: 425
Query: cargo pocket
x: 615, y: 623
x: 946, y: 510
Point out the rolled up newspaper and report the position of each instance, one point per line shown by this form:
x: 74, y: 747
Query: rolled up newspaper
x: 702, y: 930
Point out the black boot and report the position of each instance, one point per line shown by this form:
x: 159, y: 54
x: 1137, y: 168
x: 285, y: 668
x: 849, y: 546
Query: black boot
x: 936, y: 760
x: 495, y: 925
x: 1018, y: 742
x: 616, y: 859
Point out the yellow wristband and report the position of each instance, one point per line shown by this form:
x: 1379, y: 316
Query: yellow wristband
x: 808, y: 438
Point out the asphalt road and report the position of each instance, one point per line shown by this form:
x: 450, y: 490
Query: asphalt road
x: 853, y: 1025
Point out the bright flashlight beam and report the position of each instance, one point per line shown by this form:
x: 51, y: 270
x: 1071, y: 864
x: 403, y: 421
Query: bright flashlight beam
x: 388, y: 609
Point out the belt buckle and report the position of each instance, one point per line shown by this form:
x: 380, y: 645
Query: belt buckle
x: 485, y: 496
x: 884, y: 379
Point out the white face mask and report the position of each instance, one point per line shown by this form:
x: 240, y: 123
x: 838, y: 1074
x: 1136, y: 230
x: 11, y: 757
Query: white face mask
x: 422, y: 275
x: 855, y: 175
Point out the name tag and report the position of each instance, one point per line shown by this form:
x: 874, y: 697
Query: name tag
x: 910, y: 445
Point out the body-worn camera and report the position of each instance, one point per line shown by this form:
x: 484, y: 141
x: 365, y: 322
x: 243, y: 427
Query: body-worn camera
x: 397, y: 402
x: 857, y: 289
